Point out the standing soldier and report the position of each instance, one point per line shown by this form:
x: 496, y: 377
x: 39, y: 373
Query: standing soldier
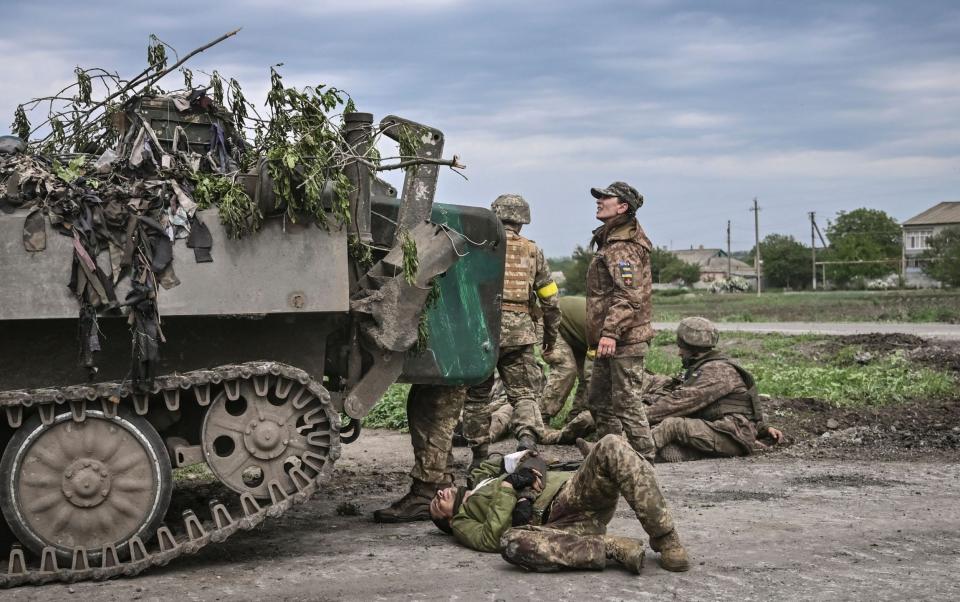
x: 619, y: 287
x: 526, y: 282
x: 432, y: 413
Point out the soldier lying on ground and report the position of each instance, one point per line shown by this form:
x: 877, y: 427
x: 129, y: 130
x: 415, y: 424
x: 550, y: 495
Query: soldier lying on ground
x: 713, y: 410
x: 559, y: 520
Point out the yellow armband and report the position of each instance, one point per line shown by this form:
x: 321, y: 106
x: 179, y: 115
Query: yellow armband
x: 548, y: 290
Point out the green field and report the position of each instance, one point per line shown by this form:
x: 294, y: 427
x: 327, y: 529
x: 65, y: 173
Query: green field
x: 812, y: 366
x: 832, y: 306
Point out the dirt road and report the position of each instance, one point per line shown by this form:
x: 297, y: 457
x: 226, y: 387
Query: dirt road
x: 925, y: 330
x: 771, y: 527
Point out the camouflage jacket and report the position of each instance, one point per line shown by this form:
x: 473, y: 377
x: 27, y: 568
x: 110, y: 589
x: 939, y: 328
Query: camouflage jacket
x: 619, y: 288
x: 710, y: 389
x: 487, y: 512
x: 518, y: 328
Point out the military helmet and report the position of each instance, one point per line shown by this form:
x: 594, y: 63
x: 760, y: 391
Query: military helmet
x: 511, y: 208
x: 697, y: 332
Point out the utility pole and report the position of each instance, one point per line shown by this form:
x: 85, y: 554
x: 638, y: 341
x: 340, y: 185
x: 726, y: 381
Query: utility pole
x: 823, y: 244
x: 756, y: 234
x: 813, y: 250
x: 728, y: 250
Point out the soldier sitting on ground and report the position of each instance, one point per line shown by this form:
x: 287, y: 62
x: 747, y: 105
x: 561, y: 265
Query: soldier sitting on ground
x: 559, y: 520
x: 713, y: 410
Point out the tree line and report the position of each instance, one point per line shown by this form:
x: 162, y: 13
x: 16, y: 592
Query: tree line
x: 869, y: 238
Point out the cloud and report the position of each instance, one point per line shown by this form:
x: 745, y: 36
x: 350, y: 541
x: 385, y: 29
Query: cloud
x: 335, y: 7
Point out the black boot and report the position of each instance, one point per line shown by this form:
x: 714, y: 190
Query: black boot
x: 414, y: 506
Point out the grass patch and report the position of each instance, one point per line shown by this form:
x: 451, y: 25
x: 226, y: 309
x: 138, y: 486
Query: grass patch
x: 792, y: 366
x: 821, y: 306
x: 391, y: 411
x: 800, y: 366
x: 194, y: 473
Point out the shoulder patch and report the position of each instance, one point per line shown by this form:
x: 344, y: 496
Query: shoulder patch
x: 626, y: 271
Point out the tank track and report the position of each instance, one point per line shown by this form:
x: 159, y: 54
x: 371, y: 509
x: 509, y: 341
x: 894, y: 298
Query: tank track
x: 195, y: 534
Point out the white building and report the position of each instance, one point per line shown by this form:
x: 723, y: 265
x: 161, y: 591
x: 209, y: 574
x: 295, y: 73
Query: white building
x: 917, y: 231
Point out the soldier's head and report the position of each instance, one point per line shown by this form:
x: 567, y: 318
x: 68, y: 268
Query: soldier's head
x: 696, y: 336
x: 512, y: 210
x: 616, y: 199
x: 444, y: 505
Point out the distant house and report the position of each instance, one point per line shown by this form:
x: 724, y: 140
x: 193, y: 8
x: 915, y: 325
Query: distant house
x: 917, y: 231
x: 713, y: 264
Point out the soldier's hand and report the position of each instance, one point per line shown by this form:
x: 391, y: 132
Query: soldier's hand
x: 538, y: 483
x: 521, y: 479
x: 776, y: 434
x: 522, y: 512
x: 548, y: 343
x: 606, y: 347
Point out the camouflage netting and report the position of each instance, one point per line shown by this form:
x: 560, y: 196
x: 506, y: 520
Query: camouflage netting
x: 127, y: 174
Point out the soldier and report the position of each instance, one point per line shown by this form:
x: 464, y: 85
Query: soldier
x: 619, y: 288
x: 432, y: 413
x: 561, y: 521
x: 526, y: 282
x: 714, y: 410
x: 570, y: 364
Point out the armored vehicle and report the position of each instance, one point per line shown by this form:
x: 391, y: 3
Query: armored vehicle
x: 269, y: 349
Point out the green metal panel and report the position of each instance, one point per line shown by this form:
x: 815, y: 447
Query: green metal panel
x: 464, y: 324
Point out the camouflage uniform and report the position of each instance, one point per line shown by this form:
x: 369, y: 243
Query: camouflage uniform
x: 714, y: 412
x: 526, y: 281
x: 432, y: 413
x: 619, y: 289
x: 571, y: 537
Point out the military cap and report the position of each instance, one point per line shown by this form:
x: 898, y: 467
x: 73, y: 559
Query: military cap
x: 697, y: 332
x: 623, y: 191
x: 511, y: 208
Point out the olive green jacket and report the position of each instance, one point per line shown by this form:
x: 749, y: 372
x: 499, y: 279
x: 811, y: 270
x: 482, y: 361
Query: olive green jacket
x: 488, y: 512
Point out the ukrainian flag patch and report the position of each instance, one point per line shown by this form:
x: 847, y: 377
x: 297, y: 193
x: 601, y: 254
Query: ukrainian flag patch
x: 626, y: 272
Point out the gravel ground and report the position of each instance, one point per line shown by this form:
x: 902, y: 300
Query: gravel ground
x: 785, y: 525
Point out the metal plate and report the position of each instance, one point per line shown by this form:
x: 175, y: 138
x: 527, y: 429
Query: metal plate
x: 284, y: 268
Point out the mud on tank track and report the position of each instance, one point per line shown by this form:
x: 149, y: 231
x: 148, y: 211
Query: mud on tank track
x: 210, y: 524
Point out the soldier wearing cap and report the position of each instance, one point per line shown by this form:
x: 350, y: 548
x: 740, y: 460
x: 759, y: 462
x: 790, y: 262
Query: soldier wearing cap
x: 619, y: 287
x: 527, y: 287
x: 713, y: 410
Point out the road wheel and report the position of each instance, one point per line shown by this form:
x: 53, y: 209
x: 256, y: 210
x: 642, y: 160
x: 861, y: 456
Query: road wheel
x: 84, y: 484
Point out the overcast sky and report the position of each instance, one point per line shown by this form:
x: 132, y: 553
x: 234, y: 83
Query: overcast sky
x: 702, y: 106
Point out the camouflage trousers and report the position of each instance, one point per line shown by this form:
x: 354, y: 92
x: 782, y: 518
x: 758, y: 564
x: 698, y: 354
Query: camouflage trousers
x: 432, y: 413
x: 572, y: 537
x: 615, y: 399
x: 518, y: 370
x: 697, y: 438
x: 566, y: 369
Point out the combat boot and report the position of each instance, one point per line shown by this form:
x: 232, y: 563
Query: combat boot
x: 625, y: 550
x: 671, y: 452
x: 673, y: 556
x: 414, y: 506
x: 584, y: 446
x: 526, y: 441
